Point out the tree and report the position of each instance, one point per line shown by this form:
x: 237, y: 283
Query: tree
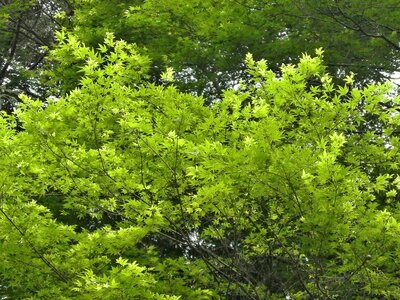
x: 369, y: 30
x: 205, y: 41
x: 27, y: 33
x: 279, y: 189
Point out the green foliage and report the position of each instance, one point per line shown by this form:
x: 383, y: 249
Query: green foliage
x: 123, y: 189
x: 205, y: 41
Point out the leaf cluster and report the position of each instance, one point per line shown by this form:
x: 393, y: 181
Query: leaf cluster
x: 288, y: 186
